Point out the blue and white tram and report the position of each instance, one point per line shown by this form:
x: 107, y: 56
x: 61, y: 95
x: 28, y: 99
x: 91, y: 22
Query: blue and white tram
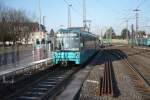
x: 73, y: 45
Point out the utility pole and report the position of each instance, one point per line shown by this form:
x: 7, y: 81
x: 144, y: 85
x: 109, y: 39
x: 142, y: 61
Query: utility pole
x: 127, y: 34
x: 132, y: 35
x: 101, y: 36
x: 136, y: 23
x: 89, y: 26
x: 85, y: 21
x: 69, y: 15
x: 84, y: 14
x: 136, y: 16
x: 44, y: 20
x: 39, y: 14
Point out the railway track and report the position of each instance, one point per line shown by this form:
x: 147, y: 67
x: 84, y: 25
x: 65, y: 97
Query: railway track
x: 46, y: 87
x: 139, y: 59
x: 136, y: 51
x: 141, y: 65
x: 140, y: 83
x: 106, y: 87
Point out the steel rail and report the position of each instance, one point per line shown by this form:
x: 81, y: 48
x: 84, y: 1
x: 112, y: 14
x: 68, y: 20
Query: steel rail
x: 136, y: 72
x: 47, y: 87
x: 106, y: 86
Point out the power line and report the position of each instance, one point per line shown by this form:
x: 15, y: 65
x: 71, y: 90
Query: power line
x: 142, y: 1
x: 70, y: 6
x: 136, y: 15
x: 78, y: 2
x: 73, y: 8
x: 85, y: 21
x: 66, y: 2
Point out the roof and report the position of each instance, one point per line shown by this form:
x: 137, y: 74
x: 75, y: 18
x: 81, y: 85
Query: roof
x: 76, y: 30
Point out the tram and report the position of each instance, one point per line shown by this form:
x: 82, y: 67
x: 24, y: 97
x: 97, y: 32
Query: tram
x: 74, y: 45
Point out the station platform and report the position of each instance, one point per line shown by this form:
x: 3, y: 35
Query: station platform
x: 13, y: 66
x: 10, y: 71
x: 18, y: 66
x: 25, y: 63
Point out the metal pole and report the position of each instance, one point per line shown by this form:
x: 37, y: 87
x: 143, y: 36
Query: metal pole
x: 69, y: 16
x: 136, y: 22
x: 89, y: 27
x: 132, y: 31
x: 106, y: 36
x: 101, y: 36
x: 44, y: 20
x: 39, y: 14
x: 136, y: 14
x: 84, y: 14
x: 33, y: 50
x: 127, y: 34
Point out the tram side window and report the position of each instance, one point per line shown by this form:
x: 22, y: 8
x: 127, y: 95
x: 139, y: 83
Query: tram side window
x: 37, y: 41
x: 82, y: 45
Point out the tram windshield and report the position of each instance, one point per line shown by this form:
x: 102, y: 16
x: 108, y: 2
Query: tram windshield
x: 67, y: 42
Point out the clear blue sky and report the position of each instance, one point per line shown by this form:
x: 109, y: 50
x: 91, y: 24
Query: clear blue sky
x: 103, y: 13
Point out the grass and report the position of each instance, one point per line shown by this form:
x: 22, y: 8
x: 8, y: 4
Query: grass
x: 119, y: 41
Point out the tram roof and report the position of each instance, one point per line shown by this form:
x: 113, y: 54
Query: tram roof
x: 73, y: 29
x: 76, y: 30
x: 68, y: 30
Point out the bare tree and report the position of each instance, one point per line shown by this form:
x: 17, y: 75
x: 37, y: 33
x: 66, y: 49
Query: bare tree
x: 15, y: 25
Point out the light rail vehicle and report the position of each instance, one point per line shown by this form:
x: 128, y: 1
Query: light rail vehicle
x: 74, y: 45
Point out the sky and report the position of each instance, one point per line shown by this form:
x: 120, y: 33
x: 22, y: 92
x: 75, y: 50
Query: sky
x: 102, y: 13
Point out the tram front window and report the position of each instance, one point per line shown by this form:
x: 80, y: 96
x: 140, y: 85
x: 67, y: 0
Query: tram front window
x: 68, y: 43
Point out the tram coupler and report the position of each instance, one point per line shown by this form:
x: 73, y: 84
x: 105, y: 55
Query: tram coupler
x: 64, y: 63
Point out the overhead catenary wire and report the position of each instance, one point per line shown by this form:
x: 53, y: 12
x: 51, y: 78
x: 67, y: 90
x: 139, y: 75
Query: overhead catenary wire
x: 78, y: 2
x: 142, y: 2
x: 73, y: 8
x: 136, y: 10
x: 66, y: 2
x: 69, y: 11
x: 131, y: 17
x: 137, y: 7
